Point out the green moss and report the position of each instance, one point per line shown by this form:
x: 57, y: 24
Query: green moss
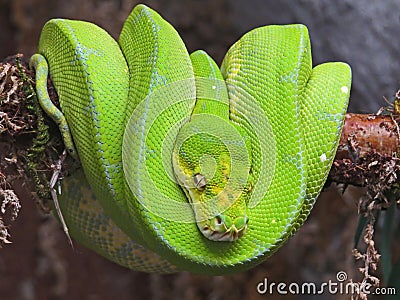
x: 35, y: 153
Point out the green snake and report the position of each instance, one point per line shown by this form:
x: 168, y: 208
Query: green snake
x: 188, y: 166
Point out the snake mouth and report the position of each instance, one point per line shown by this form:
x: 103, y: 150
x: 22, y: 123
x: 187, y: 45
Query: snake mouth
x: 221, y: 228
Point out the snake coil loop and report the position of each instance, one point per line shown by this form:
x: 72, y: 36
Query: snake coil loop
x: 187, y: 166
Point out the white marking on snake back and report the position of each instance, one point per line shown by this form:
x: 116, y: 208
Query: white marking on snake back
x: 344, y: 89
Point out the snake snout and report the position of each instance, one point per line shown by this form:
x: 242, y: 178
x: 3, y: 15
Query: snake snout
x: 222, y: 228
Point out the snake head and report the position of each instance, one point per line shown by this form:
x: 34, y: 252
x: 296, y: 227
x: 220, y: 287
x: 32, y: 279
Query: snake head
x: 227, y: 226
x: 203, y: 166
x: 202, y: 193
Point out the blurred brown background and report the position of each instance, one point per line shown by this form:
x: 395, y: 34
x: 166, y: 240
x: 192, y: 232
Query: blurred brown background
x: 39, y: 264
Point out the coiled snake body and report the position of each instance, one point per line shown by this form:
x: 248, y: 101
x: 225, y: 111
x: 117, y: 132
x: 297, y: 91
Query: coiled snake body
x: 190, y: 167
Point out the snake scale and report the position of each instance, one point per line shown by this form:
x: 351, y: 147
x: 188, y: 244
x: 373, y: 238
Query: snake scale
x: 187, y: 165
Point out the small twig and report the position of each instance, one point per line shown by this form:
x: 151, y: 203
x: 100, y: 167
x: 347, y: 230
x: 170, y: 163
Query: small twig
x: 55, y: 179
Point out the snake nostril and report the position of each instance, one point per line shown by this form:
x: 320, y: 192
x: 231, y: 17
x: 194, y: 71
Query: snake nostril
x: 219, y: 220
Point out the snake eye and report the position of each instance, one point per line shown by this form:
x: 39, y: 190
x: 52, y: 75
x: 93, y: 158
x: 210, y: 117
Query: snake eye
x: 199, y: 182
